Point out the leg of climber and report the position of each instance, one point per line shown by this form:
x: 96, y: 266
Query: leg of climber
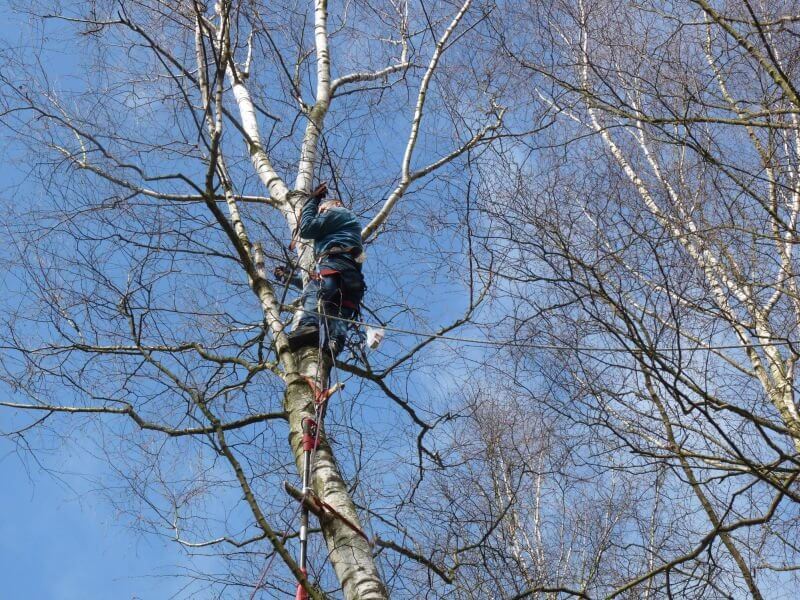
x: 307, y: 331
x: 344, y: 302
x: 339, y: 332
x: 331, y: 303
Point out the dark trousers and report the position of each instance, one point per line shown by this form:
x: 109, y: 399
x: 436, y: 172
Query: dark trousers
x: 325, y: 295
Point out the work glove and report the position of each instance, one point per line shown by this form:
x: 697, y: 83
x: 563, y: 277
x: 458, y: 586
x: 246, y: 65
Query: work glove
x: 319, y: 192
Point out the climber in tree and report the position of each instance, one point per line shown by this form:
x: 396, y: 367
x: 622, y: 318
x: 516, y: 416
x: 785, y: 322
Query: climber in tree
x: 337, y: 286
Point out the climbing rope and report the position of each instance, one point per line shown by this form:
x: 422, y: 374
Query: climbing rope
x: 311, y: 430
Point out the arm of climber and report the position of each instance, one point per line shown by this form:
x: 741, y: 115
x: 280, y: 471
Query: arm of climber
x: 286, y: 275
x: 314, y: 226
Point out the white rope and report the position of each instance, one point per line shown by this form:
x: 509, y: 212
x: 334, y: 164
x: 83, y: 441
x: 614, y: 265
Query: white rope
x: 518, y: 344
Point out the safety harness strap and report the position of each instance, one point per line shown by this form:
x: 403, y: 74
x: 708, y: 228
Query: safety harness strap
x: 311, y: 436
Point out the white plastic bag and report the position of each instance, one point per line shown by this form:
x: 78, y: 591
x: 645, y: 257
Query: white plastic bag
x: 374, y: 336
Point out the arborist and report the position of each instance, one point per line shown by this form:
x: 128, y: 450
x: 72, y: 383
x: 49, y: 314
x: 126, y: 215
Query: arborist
x: 336, y: 286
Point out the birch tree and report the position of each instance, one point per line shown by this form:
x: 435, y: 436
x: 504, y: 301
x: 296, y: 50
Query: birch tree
x: 612, y: 190
x: 170, y: 163
x: 650, y: 249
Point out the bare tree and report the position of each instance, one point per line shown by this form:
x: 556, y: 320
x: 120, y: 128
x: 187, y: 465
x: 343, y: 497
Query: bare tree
x: 650, y: 249
x: 166, y: 168
x: 620, y: 419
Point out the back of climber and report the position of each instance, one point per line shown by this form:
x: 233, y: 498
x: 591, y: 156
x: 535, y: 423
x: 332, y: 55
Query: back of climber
x: 337, y: 286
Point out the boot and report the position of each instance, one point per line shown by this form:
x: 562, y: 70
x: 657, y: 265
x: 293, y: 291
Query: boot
x: 306, y: 335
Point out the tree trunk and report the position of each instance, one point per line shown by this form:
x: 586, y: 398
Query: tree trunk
x: 349, y: 552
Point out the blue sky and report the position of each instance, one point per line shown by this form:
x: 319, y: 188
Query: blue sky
x: 58, y: 543
x: 59, y: 540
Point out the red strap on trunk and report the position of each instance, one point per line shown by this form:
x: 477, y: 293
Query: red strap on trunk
x: 320, y: 395
x: 310, y: 438
x: 301, y: 593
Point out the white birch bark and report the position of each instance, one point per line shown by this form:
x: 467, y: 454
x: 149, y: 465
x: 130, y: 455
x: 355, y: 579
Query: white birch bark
x: 349, y: 553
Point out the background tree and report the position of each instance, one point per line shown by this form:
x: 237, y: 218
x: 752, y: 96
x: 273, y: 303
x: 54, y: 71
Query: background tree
x: 659, y: 221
